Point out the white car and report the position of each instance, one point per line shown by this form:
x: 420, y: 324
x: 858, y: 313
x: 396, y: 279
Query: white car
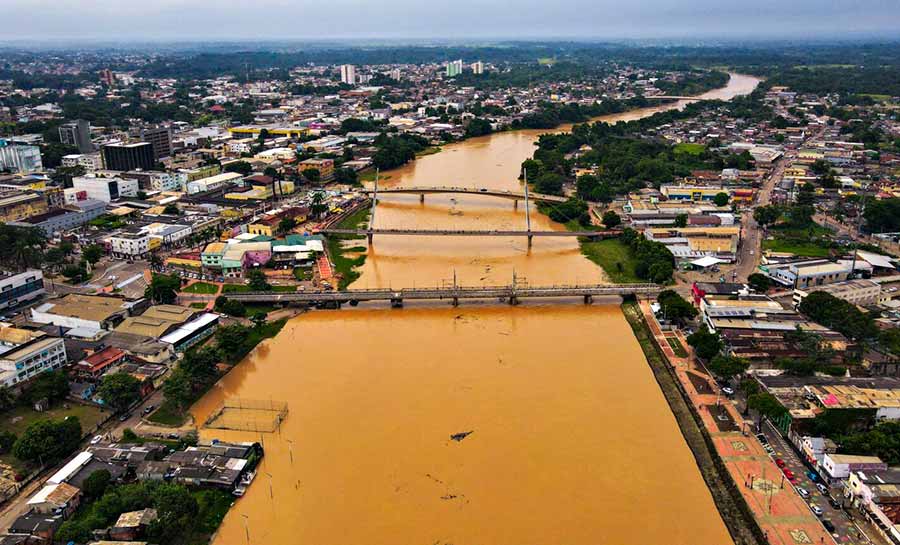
x: 96, y: 439
x: 803, y: 492
x: 817, y: 510
x: 728, y: 390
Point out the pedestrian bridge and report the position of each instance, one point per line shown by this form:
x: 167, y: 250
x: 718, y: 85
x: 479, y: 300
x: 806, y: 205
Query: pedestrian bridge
x: 468, y: 233
x: 511, y: 294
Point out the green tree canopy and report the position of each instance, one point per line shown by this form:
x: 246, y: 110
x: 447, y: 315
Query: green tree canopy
x: 119, y: 390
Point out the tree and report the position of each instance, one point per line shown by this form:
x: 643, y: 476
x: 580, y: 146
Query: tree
x: 838, y: 315
x: 312, y: 175
x: 759, y: 282
x: 92, y: 253
x: 766, y: 404
x: 721, y: 199
x: 317, y: 206
x: 478, y: 127
x: 766, y: 215
x: 7, y: 440
x: 76, y: 274
x: 232, y: 307
x: 681, y: 220
x: 705, y: 344
x: 257, y: 280
x: 286, y: 225
x: 727, y: 367
x: 346, y: 176
x: 163, y: 289
x: 674, y: 306
x: 549, y: 182
x: 177, y: 389
x: 95, y: 485
x: 51, y: 385
x: 611, y: 219
x: 119, y: 390
x: 171, y: 209
x: 48, y: 441
x: 258, y: 319
x: 241, y: 167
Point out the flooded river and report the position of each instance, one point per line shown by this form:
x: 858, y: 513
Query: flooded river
x: 572, y: 441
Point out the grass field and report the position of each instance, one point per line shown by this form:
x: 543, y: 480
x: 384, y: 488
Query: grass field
x: 240, y: 288
x: 428, y: 151
x: 812, y: 241
x: 198, y: 305
x: 690, y: 149
x: 19, y: 418
x: 201, y: 287
x: 346, y: 266
x: 796, y: 247
x: 615, y: 258
x: 677, y: 347
x: 370, y: 177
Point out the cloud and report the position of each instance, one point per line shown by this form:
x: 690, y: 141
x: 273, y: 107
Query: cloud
x: 325, y: 19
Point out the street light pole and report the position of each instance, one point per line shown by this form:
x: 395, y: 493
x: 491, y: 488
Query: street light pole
x: 246, y: 527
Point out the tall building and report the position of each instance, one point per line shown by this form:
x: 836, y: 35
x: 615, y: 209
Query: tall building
x: 454, y: 68
x: 348, y: 74
x: 104, y: 189
x: 107, y: 77
x: 138, y: 155
x: 18, y: 288
x: 161, y: 140
x: 478, y: 67
x: 395, y: 74
x: 78, y: 134
x: 20, y: 159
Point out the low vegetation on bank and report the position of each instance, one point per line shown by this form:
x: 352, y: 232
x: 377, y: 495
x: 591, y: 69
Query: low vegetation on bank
x: 345, y: 264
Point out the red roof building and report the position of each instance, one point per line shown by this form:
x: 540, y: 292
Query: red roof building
x: 93, y: 366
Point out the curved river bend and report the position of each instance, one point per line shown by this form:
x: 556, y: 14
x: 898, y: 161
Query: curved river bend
x: 572, y: 443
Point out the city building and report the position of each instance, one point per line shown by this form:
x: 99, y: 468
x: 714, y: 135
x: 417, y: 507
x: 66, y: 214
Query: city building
x: 21, y: 287
x: 160, y: 138
x: 19, y: 205
x: 859, y: 292
x: 25, y: 353
x: 19, y: 158
x: 105, y: 189
x: 91, y: 162
x: 454, y: 68
x: 212, y: 183
x: 348, y: 74
x: 137, y: 155
x: 94, y: 312
x: 70, y: 216
x: 836, y: 467
x: 324, y: 166
x: 78, y: 134
x: 478, y: 67
x: 802, y: 274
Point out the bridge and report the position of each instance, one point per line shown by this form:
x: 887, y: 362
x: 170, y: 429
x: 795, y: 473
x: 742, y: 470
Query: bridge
x: 422, y: 191
x: 511, y: 294
x: 369, y: 233
x: 672, y: 97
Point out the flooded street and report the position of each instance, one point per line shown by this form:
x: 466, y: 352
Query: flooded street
x: 572, y: 442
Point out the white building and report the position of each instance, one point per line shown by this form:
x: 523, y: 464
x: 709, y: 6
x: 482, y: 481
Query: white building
x: 91, y: 162
x: 348, y: 74
x: 20, y: 159
x: 838, y: 466
x: 212, y: 183
x: 105, y: 189
x: 130, y: 245
x: 478, y: 67
x: 18, y: 288
x: 24, y: 354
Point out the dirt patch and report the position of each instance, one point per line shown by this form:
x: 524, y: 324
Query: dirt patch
x: 722, y: 417
x: 699, y: 383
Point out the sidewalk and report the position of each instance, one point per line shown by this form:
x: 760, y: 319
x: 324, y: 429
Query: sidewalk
x: 780, y: 512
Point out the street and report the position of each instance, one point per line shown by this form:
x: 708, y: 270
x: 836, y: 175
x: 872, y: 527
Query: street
x: 847, y: 530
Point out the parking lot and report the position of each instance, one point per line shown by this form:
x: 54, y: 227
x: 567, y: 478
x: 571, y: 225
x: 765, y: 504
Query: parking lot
x: 846, y: 529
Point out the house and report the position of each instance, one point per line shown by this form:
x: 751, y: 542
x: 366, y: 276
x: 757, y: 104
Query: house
x: 95, y: 365
x: 836, y: 467
x: 57, y: 499
x: 90, y: 311
x: 37, y: 524
x: 132, y: 525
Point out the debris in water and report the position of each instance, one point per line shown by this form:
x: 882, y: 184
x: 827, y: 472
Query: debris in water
x: 460, y: 436
x: 449, y: 497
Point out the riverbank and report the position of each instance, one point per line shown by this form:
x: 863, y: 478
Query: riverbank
x: 345, y: 257
x: 732, y: 508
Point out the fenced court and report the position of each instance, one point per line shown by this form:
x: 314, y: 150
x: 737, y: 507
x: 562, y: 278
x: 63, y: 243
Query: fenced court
x: 256, y: 415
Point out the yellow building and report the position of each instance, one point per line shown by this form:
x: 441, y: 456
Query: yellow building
x: 17, y: 206
x: 254, y: 130
x: 324, y: 166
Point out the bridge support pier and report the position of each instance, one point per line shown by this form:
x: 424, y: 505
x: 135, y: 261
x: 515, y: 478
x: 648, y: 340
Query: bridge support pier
x: 422, y: 198
x: 513, y: 300
x: 588, y: 299
x: 530, y: 238
x: 396, y: 302
x: 456, y: 301
x: 515, y: 204
x: 370, y: 236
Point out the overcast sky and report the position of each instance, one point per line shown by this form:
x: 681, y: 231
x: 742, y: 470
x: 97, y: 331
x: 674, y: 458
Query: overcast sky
x: 331, y: 19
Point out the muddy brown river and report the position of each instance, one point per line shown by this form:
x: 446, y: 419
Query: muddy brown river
x: 572, y: 442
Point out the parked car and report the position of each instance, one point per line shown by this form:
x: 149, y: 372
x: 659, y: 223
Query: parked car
x: 803, y: 492
x: 779, y: 462
x: 812, y: 476
x: 828, y: 525
x: 836, y: 503
x: 788, y: 473
x: 822, y: 488
x: 96, y: 439
x: 727, y: 390
x: 816, y: 510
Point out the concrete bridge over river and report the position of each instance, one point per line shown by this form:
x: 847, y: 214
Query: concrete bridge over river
x: 511, y: 294
x: 515, y: 196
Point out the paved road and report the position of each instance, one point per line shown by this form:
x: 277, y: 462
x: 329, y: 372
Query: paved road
x: 751, y: 234
x: 847, y: 530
